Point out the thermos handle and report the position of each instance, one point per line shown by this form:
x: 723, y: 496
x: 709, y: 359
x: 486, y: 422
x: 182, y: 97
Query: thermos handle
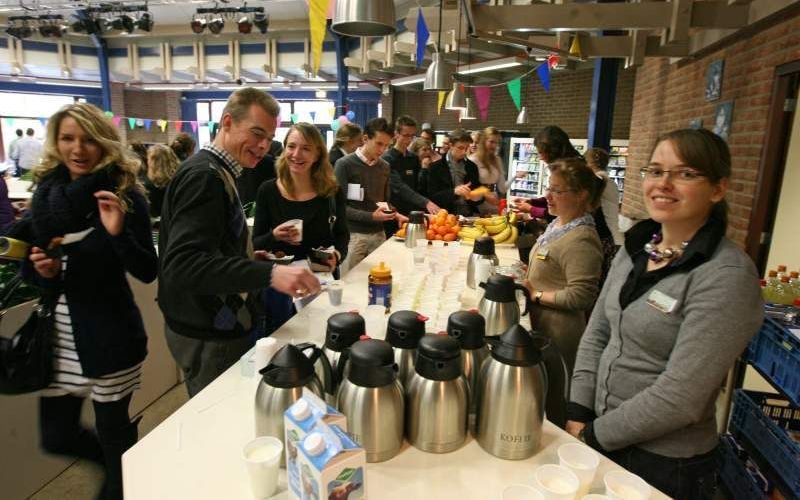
x: 317, y: 354
x: 527, y: 293
x: 339, y: 375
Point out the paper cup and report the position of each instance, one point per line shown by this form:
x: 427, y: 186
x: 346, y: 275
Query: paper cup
x: 622, y: 485
x: 335, y: 292
x: 521, y: 492
x: 375, y: 321
x: 298, y: 224
x: 265, y: 349
x: 262, y: 459
x: 582, y: 461
x: 556, y: 482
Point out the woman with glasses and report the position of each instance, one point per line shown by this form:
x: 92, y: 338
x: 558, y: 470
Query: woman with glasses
x: 563, y: 271
x: 680, y: 304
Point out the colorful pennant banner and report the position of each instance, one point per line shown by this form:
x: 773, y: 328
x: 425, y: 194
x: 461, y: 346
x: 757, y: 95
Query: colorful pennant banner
x: 482, y: 95
x: 514, y: 87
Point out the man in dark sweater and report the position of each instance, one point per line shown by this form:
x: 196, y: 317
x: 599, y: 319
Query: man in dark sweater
x: 206, y: 266
x: 452, y: 178
x: 404, y: 180
x: 364, y: 177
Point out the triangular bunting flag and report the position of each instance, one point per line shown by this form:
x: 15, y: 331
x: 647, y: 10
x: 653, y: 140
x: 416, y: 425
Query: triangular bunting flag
x: 442, y: 95
x: 162, y: 124
x: 317, y: 19
x: 422, y: 37
x: 43, y: 121
x: 483, y: 96
x: 514, y: 89
x: 132, y: 123
x: 193, y: 123
x: 10, y: 122
x: 294, y: 117
x: 210, y: 125
x: 313, y: 115
x: 116, y: 120
x: 544, y: 75
x: 147, y: 123
x: 552, y: 61
x: 575, y: 48
x: 109, y: 114
x: 178, y: 126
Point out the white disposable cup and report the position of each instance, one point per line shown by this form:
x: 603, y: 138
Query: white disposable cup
x: 335, y: 292
x: 262, y: 457
x: 521, y: 492
x: 317, y: 322
x: 298, y: 224
x: 595, y: 496
x: 419, y: 255
x: 556, y: 482
x: 265, y: 349
x: 622, y: 485
x: 582, y: 461
x: 375, y: 321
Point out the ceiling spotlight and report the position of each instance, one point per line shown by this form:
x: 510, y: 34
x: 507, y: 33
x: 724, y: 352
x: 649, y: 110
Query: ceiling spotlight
x: 198, y: 24
x: 145, y: 22
x: 20, y: 30
x: 123, y: 23
x: 245, y: 26
x: 104, y: 24
x: 261, y: 21
x: 216, y: 25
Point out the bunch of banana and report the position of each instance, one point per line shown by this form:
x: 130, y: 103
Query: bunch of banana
x: 502, y: 229
x: 470, y: 234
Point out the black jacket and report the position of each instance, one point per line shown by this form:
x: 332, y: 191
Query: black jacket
x: 202, y: 246
x: 107, y: 325
x: 404, y: 181
x: 440, y: 184
x: 252, y: 178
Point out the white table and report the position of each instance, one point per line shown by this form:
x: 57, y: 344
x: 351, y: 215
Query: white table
x: 196, y: 452
x: 18, y: 189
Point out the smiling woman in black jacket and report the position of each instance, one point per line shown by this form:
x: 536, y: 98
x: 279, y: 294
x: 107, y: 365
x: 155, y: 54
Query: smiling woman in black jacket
x: 87, y: 183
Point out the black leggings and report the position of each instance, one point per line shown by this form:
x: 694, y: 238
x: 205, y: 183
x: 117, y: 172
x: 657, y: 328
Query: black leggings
x: 62, y: 434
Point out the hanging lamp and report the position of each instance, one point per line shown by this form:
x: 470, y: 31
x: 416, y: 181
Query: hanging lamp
x: 364, y: 18
x: 456, y: 98
x: 439, y: 73
x: 469, y: 111
x: 522, y: 117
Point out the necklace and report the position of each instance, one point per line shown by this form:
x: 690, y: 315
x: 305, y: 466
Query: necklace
x: 656, y: 255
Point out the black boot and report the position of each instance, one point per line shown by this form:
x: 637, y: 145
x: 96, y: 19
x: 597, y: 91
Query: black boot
x: 114, y: 443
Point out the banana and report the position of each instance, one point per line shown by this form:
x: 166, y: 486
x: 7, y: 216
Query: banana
x: 496, y: 229
x: 490, y: 221
x: 514, y: 233
x: 471, y: 232
x: 468, y: 241
x: 512, y: 219
x: 503, y: 235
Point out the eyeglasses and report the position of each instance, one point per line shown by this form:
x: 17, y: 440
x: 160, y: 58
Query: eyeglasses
x: 679, y: 175
x: 555, y: 192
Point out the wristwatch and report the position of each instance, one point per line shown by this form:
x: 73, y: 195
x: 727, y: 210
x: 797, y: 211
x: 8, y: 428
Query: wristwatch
x: 537, y: 297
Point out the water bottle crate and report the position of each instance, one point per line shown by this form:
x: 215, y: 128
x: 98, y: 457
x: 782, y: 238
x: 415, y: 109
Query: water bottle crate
x: 764, y: 421
x: 775, y: 352
x: 734, y: 474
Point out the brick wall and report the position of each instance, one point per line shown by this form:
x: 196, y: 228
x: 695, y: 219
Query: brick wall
x: 566, y: 105
x: 667, y: 96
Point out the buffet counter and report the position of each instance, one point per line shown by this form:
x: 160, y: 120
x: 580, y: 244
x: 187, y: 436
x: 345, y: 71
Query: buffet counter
x: 196, y: 453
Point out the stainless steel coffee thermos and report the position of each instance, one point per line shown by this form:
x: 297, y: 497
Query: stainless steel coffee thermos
x: 469, y: 329
x: 437, y: 397
x: 372, y: 399
x: 511, y: 390
x: 404, y: 331
x: 343, y: 330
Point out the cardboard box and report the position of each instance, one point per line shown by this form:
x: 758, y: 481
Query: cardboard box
x: 298, y: 421
x: 332, y: 465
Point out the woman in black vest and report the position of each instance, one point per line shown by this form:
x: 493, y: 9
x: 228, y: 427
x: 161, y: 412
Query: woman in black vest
x: 87, y: 182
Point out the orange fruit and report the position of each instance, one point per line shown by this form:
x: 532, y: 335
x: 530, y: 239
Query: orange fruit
x: 437, y: 237
x: 452, y: 220
x: 430, y: 233
x: 449, y: 237
x: 453, y: 229
x: 442, y: 230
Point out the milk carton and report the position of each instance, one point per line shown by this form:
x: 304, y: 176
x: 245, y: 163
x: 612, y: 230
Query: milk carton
x: 298, y: 420
x: 332, y: 466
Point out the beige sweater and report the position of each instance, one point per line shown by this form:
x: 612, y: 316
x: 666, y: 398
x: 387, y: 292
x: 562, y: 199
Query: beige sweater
x: 571, y: 268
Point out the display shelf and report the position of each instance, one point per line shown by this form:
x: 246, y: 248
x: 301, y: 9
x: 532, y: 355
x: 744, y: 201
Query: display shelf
x: 775, y: 353
x: 741, y: 477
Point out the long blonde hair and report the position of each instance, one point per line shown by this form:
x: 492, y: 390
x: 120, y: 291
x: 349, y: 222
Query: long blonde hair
x: 488, y: 160
x: 162, y: 163
x: 322, y: 178
x: 98, y: 127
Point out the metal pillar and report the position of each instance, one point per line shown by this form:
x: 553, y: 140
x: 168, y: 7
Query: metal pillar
x: 102, y: 60
x: 601, y: 113
x: 342, y: 48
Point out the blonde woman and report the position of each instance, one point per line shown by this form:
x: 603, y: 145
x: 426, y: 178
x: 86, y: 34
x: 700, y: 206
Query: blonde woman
x: 490, y: 167
x: 348, y: 138
x: 161, y: 167
x: 87, y: 181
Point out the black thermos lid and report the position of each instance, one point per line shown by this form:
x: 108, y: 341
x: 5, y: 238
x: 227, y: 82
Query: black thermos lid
x: 468, y: 328
x: 405, y: 328
x: 438, y: 358
x: 372, y: 363
x: 343, y: 330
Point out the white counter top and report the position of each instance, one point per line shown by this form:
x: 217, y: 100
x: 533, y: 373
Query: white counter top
x: 196, y: 452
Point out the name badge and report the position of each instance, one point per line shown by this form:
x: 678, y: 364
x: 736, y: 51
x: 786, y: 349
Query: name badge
x: 662, y: 302
x: 355, y: 192
x: 543, y: 253
x: 409, y: 172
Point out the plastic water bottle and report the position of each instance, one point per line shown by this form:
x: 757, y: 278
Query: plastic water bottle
x: 794, y: 281
x: 770, y: 289
x: 783, y: 292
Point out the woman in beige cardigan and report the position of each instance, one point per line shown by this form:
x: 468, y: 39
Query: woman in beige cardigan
x: 564, y: 271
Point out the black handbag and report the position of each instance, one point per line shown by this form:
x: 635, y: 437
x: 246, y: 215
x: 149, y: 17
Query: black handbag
x: 26, y: 360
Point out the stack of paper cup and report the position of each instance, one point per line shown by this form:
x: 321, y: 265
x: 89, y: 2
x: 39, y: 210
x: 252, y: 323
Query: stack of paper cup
x: 556, y: 482
x: 622, y: 485
x: 262, y: 459
x: 582, y: 461
x: 265, y: 349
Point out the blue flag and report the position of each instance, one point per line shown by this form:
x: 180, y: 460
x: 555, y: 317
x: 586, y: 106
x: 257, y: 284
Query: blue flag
x: 544, y: 75
x: 422, y: 37
x: 147, y: 123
